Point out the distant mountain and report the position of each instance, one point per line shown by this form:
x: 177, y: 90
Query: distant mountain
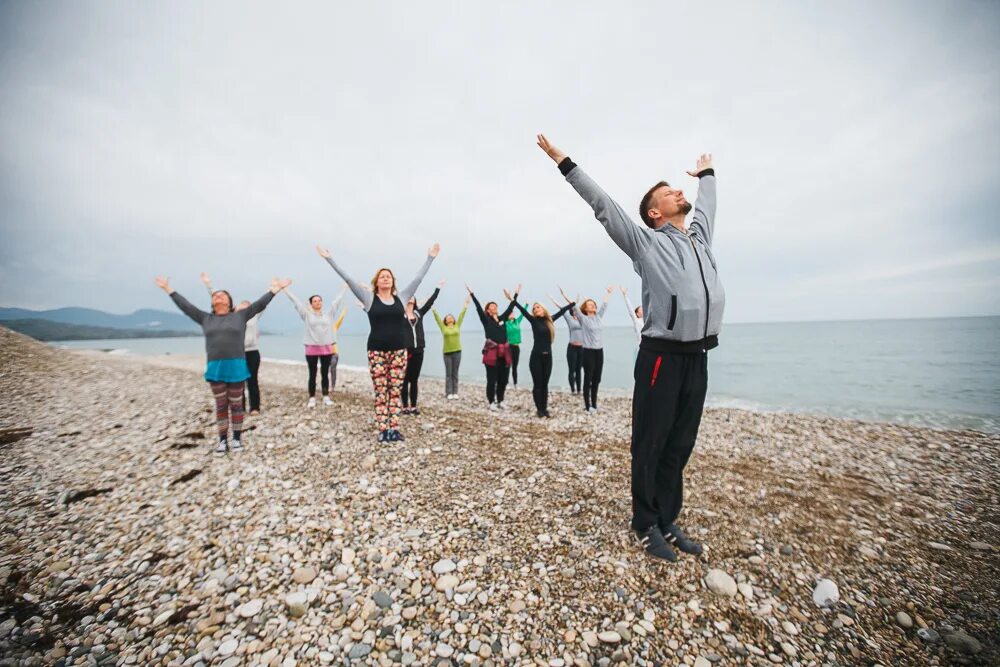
x: 141, y: 319
x: 48, y: 330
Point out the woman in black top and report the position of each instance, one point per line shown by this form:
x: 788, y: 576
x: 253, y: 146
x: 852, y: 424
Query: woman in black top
x: 543, y: 329
x: 496, y: 350
x: 387, y: 340
x: 415, y: 352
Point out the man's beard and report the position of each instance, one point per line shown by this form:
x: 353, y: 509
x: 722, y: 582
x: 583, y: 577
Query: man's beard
x: 686, y: 207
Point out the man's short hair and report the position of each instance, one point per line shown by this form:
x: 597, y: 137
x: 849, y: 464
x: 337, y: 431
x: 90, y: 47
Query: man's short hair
x: 644, y: 204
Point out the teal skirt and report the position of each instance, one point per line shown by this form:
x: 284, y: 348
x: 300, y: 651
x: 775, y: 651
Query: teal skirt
x: 227, y: 370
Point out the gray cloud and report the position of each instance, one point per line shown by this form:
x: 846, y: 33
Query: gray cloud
x: 856, y: 146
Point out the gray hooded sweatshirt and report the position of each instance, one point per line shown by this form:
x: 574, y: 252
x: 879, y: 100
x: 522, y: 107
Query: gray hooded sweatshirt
x: 319, y: 326
x: 682, y: 296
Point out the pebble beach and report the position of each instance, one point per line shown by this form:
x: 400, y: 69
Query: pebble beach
x: 484, y: 539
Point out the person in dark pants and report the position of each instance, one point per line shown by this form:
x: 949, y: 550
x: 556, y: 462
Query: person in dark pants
x: 513, y: 323
x: 683, y: 301
x: 251, y: 341
x: 574, y: 348
x: 543, y: 331
x: 415, y: 353
x: 591, y: 322
x: 496, y: 350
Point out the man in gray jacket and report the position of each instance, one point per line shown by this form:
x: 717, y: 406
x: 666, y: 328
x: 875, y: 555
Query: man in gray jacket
x: 682, y: 300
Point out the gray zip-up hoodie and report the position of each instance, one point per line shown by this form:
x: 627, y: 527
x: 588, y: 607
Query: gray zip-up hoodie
x: 319, y: 326
x: 682, y: 296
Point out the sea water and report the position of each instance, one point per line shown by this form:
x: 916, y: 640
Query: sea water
x: 942, y: 373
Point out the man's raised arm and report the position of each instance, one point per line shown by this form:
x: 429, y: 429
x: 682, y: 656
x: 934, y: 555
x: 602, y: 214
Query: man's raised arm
x: 631, y: 238
x: 704, y: 206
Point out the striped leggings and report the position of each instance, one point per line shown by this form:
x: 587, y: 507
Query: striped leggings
x: 228, y: 407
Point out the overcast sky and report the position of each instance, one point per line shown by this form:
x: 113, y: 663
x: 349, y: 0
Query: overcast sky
x: 857, y: 147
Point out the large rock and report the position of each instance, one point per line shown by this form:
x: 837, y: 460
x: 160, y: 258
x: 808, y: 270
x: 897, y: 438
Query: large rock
x: 963, y: 643
x: 250, y: 609
x: 721, y: 583
x: 826, y: 593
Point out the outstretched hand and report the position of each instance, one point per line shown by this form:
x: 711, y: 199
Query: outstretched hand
x: 434, y: 250
x: 323, y: 252
x: 550, y: 150
x: 623, y: 289
x: 506, y: 294
x: 205, y: 279
x: 466, y: 302
x: 278, y: 285
x: 704, y: 162
x: 561, y: 291
x: 468, y: 289
x: 517, y: 290
x: 163, y: 283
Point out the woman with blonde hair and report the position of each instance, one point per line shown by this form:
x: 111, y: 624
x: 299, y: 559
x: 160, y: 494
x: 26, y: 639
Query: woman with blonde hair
x: 388, y: 338
x: 543, y: 329
x: 451, y: 331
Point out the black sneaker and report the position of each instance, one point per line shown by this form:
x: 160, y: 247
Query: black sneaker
x: 414, y: 411
x: 396, y: 436
x: 383, y: 436
x: 652, y: 542
x: 675, y: 536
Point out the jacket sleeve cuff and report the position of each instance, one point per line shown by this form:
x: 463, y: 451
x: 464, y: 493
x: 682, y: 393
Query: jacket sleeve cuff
x: 566, y: 166
x: 706, y: 172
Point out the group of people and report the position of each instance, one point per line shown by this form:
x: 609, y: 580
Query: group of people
x: 682, y: 300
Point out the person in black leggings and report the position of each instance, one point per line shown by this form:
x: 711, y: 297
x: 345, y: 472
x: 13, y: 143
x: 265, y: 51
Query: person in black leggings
x: 543, y: 329
x: 415, y: 353
x: 496, y: 351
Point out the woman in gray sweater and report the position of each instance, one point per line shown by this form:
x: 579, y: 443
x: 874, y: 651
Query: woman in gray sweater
x: 226, y: 370
x: 591, y: 320
x: 320, y: 339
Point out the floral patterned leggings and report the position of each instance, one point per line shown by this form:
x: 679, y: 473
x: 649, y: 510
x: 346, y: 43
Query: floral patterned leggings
x: 387, y: 368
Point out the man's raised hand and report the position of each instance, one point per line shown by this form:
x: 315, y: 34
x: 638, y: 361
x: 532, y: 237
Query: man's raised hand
x: 434, y: 250
x: 550, y: 150
x: 323, y: 252
x: 704, y: 162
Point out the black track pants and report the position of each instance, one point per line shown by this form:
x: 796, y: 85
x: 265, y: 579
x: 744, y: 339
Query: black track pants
x: 667, y: 403
x: 540, y: 365
x: 593, y: 367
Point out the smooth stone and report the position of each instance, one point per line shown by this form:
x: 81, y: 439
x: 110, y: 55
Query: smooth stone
x: 937, y: 546
x: 720, y: 583
x: 702, y: 662
x: 446, y: 582
x: 250, y: 609
x: 359, y: 651
x: 609, y: 637
x: 347, y: 557
x: 303, y: 575
x: 825, y: 593
x: 903, y: 620
x: 382, y: 599
x: 228, y: 647
x: 444, y: 566
x: 928, y: 634
x: 980, y: 546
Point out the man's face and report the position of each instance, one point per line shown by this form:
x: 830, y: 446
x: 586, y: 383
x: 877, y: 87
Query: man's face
x: 667, y: 202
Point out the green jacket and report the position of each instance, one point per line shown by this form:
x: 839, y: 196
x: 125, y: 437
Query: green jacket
x: 452, y: 332
x: 514, y: 330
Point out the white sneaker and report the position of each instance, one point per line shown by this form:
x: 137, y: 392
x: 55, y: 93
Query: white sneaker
x: 237, y: 446
x: 493, y: 407
x: 501, y: 406
x: 327, y: 400
x: 222, y: 448
x: 312, y: 402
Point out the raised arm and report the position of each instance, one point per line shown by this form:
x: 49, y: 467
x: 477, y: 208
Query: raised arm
x: 461, y: 315
x: 430, y: 301
x: 207, y: 282
x: 303, y: 313
x: 410, y: 290
x: 562, y: 311
x: 260, y: 304
x: 631, y: 238
x: 510, y: 306
x: 337, y: 300
x: 437, y: 318
x: 524, y: 313
x: 479, y: 308
x: 364, y: 296
x: 189, y: 309
x: 628, y: 304
x: 340, y: 320
x: 604, y: 306
x: 703, y: 219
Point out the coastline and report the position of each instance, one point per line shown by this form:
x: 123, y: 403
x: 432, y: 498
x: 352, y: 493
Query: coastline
x: 532, y: 515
